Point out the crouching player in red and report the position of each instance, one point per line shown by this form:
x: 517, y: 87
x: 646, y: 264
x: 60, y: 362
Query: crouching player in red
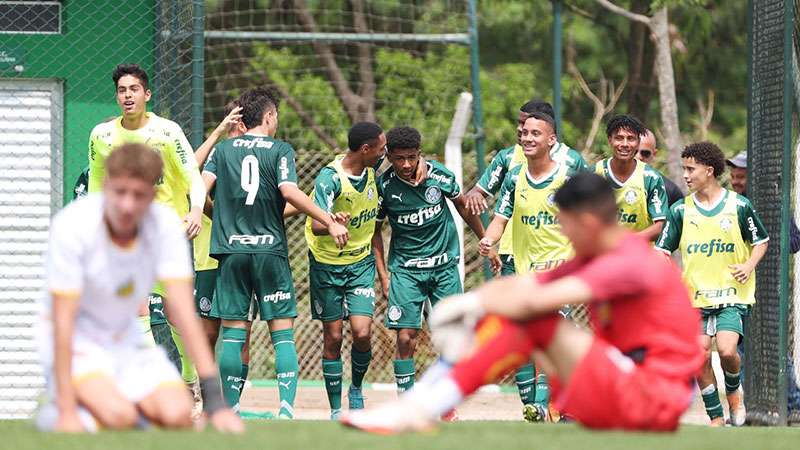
x: 634, y: 372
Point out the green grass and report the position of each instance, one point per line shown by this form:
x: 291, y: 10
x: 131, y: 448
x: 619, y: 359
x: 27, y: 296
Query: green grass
x: 279, y: 435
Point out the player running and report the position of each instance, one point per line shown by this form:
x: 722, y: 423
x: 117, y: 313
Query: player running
x: 342, y: 280
x: 526, y: 202
x: 721, y: 240
x: 104, y: 254
x: 254, y: 176
x: 634, y: 372
x: 181, y: 178
x: 424, y: 252
x: 532, y: 387
x: 641, y: 197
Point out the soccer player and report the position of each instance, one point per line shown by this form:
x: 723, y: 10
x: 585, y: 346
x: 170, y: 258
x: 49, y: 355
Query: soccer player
x: 641, y: 197
x: 634, y: 371
x: 254, y: 176
x: 526, y: 201
x: 342, y: 280
x: 104, y: 254
x: 647, y: 154
x: 721, y: 240
x: 424, y: 252
x: 181, y: 178
x: 532, y: 387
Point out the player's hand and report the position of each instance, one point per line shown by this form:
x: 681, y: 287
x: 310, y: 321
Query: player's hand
x: 226, y: 421
x: 485, y: 246
x: 453, y: 323
x: 339, y: 233
x: 232, y: 119
x: 192, y: 222
x: 69, y: 422
x: 475, y: 202
x: 341, y: 217
x: 741, y: 272
x: 421, y: 173
x: 495, y: 263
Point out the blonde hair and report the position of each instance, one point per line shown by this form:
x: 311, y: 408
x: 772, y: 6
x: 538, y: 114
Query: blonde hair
x: 135, y: 161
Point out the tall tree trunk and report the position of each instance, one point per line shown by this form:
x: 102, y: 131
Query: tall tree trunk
x: 659, y: 25
x: 640, y: 65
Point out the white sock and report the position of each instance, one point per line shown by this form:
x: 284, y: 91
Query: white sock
x: 436, y: 398
x: 437, y: 371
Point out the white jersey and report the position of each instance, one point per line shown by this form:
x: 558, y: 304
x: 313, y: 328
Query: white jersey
x: 111, y: 282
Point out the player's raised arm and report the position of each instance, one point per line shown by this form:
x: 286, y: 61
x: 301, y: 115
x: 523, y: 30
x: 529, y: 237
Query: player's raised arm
x: 232, y: 120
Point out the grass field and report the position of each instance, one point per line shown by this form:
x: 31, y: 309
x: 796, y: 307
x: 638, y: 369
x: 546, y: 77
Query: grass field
x: 323, y: 435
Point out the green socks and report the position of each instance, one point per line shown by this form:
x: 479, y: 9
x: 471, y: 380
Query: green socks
x: 162, y: 335
x: 188, y: 371
x: 286, y: 368
x: 404, y: 374
x: 542, y: 396
x: 711, y: 401
x: 230, y: 365
x: 360, y: 364
x: 332, y: 373
x: 732, y: 381
x: 526, y: 383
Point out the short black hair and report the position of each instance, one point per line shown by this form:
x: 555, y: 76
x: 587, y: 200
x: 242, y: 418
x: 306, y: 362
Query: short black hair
x: 540, y: 106
x: 230, y: 106
x: 403, y: 137
x: 545, y: 118
x: 587, y: 191
x: 625, y: 122
x: 255, y: 103
x: 130, y: 69
x: 362, y: 133
x: 708, y: 154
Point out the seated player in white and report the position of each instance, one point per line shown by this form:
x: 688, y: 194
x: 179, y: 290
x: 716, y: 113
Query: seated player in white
x: 105, y: 253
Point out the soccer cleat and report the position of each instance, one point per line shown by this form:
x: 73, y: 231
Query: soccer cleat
x: 335, y: 414
x: 355, y: 397
x: 736, y: 406
x: 399, y: 416
x: 450, y: 416
x: 534, y: 412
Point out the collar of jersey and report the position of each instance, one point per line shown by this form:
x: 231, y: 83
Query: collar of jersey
x: 618, y: 184
x: 545, y: 180
x: 715, y: 208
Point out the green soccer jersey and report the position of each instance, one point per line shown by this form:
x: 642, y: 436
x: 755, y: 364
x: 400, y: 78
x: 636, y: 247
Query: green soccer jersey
x: 248, y: 207
x: 423, y: 231
x: 327, y: 187
x: 81, y: 188
x: 506, y: 159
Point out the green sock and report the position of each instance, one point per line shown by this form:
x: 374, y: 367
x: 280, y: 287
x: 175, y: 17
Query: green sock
x: 732, y: 381
x: 162, y: 335
x: 245, y: 371
x: 230, y: 364
x: 404, y: 374
x: 332, y: 373
x: 360, y: 365
x: 526, y: 383
x: 711, y: 401
x: 286, y: 368
x: 542, y: 396
x: 188, y: 371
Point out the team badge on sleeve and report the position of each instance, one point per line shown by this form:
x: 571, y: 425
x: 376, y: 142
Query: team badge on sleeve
x: 433, y: 194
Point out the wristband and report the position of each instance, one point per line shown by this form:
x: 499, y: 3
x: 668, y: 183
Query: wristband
x: 211, y: 392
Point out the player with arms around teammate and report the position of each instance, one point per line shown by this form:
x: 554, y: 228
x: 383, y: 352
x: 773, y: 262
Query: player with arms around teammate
x: 634, y: 372
x: 526, y: 201
x: 721, y: 240
x: 254, y: 176
x: 342, y: 280
x: 424, y: 252
x: 181, y: 178
x: 105, y: 252
x: 642, y: 199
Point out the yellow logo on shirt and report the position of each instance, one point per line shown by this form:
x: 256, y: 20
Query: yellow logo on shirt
x: 126, y: 289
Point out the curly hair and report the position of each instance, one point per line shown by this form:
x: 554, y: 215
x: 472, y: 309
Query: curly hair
x: 708, y: 154
x: 403, y: 137
x: 625, y: 122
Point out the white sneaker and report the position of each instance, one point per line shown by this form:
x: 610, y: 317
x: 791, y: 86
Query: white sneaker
x: 738, y: 414
x: 396, y: 417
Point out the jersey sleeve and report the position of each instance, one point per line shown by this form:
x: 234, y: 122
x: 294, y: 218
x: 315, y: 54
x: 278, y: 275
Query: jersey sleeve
x: 750, y: 225
x: 580, y: 163
x: 447, y: 181
x: 327, y: 187
x: 670, y: 236
x: 657, y: 202
x: 380, y: 187
x: 211, y: 161
x: 174, y: 261
x: 505, y: 204
x: 64, y: 260
x: 287, y: 172
x: 97, y: 164
x: 491, y: 179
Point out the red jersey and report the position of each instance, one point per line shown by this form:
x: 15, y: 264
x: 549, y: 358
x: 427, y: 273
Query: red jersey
x: 640, y: 305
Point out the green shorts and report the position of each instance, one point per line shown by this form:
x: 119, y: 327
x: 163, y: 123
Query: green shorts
x: 244, y: 276
x: 508, y: 267
x: 410, y: 292
x: 338, y: 292
x: 727, y: 318
x: 204, y: 283
x: 158, y: 314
